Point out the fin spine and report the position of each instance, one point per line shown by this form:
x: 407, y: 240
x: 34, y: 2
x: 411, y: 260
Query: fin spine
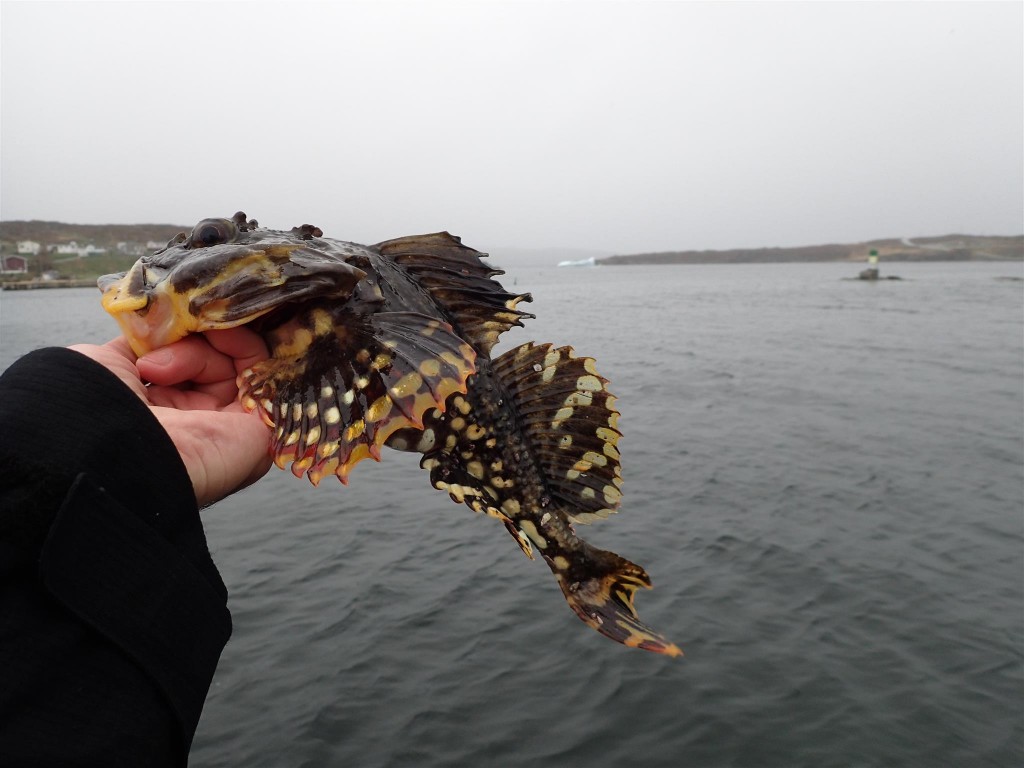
x: 460, y: 282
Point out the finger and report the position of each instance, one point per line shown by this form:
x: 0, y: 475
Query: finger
x: 244, y: 346
x: 191, y: 359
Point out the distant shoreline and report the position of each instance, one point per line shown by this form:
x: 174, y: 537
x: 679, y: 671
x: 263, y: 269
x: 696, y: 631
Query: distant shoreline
x: 943, y: 248
x: 36, y: 285
x: 118, y: 246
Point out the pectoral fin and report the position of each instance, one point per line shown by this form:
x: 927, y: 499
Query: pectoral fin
x: 338, y: 387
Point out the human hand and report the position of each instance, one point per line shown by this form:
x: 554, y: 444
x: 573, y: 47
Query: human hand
x: 192, y: 393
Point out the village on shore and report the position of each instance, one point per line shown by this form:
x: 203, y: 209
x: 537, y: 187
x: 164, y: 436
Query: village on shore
x: 56, y: 254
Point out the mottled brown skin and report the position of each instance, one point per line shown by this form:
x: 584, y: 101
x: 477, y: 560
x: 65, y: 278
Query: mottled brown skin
x: 391, y: 345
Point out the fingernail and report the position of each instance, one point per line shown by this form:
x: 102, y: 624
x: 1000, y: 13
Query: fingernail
x: 160, y: 356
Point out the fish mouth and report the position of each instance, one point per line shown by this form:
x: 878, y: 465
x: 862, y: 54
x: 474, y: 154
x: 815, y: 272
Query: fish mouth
x: 167, y: 296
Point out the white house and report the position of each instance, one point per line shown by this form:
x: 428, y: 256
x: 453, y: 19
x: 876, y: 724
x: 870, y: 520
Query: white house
x: 30, y: 247
x: 74, y: 249
x: 66, y: 248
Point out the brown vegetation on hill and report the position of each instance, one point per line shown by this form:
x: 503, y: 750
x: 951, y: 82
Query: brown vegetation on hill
x: 103, y: 235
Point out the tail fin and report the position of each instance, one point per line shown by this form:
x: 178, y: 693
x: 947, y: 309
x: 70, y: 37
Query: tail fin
x: 599, y: 586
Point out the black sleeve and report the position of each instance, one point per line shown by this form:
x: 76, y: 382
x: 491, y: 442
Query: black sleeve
x: 112, y: 613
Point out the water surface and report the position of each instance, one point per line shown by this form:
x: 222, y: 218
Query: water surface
x: 824, y: 478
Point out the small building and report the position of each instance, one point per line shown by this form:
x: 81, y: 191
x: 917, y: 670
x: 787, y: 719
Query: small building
x: 11, y: 264
x: 29, y: 247
x: 67, y: 249
x: 74, y: 249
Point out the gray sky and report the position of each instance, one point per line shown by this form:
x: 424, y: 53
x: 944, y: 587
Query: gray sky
x: 619, y: 126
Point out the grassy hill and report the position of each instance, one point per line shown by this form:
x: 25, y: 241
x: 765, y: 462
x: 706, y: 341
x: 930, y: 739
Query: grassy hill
x: 132, y: 239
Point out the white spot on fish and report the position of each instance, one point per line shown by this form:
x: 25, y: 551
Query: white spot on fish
x: 562, y: 415
x: 530, y: 530
x: 612, y: 495
x: 579, y: 398
x: 427, y: 441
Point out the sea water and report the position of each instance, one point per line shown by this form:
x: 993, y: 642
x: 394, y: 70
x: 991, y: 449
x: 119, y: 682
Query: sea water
x: 824, y: 478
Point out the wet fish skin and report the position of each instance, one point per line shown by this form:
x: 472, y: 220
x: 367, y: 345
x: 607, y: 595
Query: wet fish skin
x: 390, y: 345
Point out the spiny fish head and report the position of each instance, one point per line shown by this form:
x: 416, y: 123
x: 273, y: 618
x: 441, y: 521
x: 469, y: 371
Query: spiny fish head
x: 225, y: 273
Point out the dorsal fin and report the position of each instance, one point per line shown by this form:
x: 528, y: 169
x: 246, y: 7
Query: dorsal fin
x: 460, y: 282
x: 352, y: 381
x: 570, y: 420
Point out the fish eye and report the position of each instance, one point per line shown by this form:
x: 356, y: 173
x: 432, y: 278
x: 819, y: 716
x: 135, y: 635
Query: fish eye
x: 210, y: 232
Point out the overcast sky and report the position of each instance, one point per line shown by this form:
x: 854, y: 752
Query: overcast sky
x: 618, y: 126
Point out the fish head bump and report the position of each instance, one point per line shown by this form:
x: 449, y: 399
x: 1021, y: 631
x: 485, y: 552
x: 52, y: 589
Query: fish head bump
x: 224, y: 273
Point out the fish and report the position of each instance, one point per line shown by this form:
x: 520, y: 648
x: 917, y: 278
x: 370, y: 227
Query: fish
x: 390, y: 345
